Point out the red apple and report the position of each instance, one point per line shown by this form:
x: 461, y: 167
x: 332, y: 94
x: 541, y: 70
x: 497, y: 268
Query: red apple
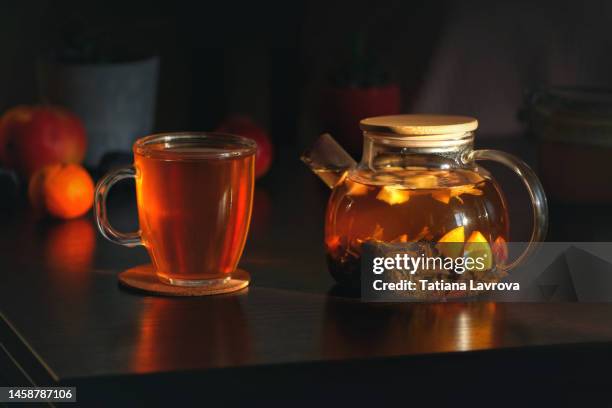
x: 32, y: 137
x: 245, y: 126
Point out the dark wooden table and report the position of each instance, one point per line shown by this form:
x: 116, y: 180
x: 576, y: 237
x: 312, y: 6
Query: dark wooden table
x: 292, y: 337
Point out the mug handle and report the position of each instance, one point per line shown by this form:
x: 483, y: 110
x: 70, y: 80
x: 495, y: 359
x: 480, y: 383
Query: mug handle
x: 536, y: 193
x: 129, y: 239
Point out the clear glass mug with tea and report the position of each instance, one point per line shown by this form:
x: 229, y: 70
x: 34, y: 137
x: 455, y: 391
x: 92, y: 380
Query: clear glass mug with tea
x: 418, y: 181
x: 195, y: 195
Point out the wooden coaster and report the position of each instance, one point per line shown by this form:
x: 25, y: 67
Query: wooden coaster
x: 143, y: 278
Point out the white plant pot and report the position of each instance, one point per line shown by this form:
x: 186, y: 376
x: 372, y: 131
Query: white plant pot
x: 116, y: 101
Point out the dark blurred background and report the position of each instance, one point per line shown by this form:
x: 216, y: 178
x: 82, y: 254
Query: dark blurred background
x: 535, y: 74
x: 271, y: 60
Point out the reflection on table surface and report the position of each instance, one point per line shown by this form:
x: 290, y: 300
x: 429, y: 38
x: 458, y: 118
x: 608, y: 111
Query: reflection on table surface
x: 58, y: 290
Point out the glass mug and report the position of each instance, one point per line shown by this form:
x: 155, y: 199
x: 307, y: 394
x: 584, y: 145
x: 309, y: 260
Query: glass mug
x: 195, y: 195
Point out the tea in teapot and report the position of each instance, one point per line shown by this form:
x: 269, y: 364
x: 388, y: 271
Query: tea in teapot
x: 417, y: 181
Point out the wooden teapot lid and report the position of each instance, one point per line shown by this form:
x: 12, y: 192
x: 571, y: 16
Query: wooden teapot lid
x: 420, y: 124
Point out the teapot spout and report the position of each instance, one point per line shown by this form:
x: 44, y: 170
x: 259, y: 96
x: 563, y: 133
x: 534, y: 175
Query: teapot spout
x: 328, y: 160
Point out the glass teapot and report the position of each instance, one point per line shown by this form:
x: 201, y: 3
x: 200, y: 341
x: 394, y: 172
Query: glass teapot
x: 418, y: 181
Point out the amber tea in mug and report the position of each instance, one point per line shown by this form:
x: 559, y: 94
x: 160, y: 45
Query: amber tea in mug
x: 194, y: 194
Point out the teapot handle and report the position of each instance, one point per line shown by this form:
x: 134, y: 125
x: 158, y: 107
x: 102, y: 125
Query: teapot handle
x: 536, y: 193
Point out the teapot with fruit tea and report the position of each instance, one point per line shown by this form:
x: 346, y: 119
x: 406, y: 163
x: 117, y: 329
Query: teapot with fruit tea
x: 418, y: 182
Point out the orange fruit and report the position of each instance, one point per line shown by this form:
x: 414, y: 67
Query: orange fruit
x: 477, y: 246
x: 451, y: 244
x: 455, y: 235
x: 61, y: 190
x: 392, y: 195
